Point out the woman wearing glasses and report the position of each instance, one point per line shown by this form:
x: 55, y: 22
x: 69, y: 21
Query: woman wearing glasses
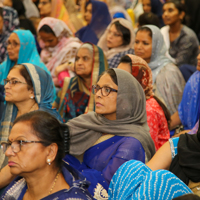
x: 35, y: 148
x: 116, y: 132
x: 27, y: 88
x: 117, y: 41
x: 76, y: 96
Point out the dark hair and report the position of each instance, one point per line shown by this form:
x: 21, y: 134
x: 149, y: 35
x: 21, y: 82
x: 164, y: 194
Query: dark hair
x: 48, y: 129
x: 126, y: 59
x: 1, y: 12
x: 145, y: 29
x: 23, y: 71
x: 19, y: 7
x: 149, y: 18
x: 45, y: 28
x: 126, y: 35
x: 165, y: 110
x: 112, y: 74
x: 188, y: 196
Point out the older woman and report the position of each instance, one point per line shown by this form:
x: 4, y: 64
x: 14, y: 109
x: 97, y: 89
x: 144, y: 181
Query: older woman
x: 35, y: 148
x: 21, y: 49
x: 167, y: 78
x: 55, y: 9
x: 58, y: 45
x: 97, y: 18
x: 116, y: 132
x: 27, y: 88
x: 76, y: 95
x: 117, y: 41
x: 158, y: 117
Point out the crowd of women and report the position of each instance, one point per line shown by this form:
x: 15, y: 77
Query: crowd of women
x: 99, y: 100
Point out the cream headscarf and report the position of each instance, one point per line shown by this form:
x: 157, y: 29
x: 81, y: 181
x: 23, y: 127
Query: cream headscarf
x: 109, y: 53
x: 131, y: 119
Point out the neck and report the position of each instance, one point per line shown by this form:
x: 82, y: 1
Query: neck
x: 87, y: 81
x: 176, y: 27
x: 25, y: 107
x: 43, y: 183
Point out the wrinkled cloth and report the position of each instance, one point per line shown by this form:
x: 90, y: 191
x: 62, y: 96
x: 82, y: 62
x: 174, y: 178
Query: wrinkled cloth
x: 134, y: 180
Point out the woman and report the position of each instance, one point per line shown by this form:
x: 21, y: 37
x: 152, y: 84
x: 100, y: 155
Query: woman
x: 158, y: 116
x: 58, y: 45
x: 117, y: 41
x: 97, y: 18
x: 35, y: 148
x: 180, y: 40
x: 116, y: 132
x: 167, y: 78
x: 188, y: 110
x: 76, y: 96
x: 21, y: 49
x: 134, y: 180
x: 27, y: 88
x: 56, y: 9
x: 6, y: 27
x: 181, y: 156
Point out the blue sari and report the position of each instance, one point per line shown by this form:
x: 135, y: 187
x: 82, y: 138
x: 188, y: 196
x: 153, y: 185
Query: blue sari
x: 78, y: 187
x: 102, y: 160
x: 44, y: 94
x: 27, y: 54
x: 189, y: 108
x: 100, y: 20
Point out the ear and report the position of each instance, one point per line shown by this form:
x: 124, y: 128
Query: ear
x: 31, y: 94
x: 182, y: 15
x: 52, y: 150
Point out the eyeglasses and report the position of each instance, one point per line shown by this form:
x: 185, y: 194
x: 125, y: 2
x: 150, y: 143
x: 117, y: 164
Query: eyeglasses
x: 13, y: 44
x: 12, y: 82
x: 105, y: 90
x: 16, y: 145
x: 114, y: 34
x: 43, y: 3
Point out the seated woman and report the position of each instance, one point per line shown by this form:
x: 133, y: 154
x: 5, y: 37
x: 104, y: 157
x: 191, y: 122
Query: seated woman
x: 117, y: 41
x: 35, y: 148
x: 158, y: 116
x: 76, y: 96
x: 27, y: 88
x: 55, y: 9
x: 181, y: 41
x: 58, y: 46
x: 181, y: 155
x: 168, y: 81
x: 97, y: 18
x: 134, y: 180
x: 6, y: 27
x: 21, y: 49
x: 116, y: 132
x: 188, y: 110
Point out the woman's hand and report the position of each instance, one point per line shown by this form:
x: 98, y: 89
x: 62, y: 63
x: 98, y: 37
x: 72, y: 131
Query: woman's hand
x: 63, y: 67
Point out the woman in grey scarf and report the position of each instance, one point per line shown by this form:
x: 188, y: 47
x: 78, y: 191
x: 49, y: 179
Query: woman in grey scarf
x: 116, y: 132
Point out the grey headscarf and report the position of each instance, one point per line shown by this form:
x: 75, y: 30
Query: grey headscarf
x: 159, y: 49
x: 131, y: 120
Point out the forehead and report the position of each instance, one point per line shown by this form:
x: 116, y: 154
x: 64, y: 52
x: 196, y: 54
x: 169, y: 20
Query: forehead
x: 89, y: 6
x: 46, y: 36
x: 146, y: 1
x: 84, y: 52
x: 22, y: 129
x: 14, y: 36
x: 106, y: 80
x: 113, y: 28
x: 169, y: 5
x: 15, y: 73
x: 143, y: 34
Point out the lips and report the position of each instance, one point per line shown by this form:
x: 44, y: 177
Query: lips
x: 11, y: 163
x: 98, y: 104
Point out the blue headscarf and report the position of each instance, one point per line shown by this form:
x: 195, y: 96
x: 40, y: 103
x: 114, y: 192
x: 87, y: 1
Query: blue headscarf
x: 189, y: 108
x: 27, y: 54
x: 134, y: 180
x: 100, y: 20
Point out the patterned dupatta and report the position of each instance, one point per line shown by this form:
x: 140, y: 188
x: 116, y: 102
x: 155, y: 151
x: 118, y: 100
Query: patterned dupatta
x: 76, y: 98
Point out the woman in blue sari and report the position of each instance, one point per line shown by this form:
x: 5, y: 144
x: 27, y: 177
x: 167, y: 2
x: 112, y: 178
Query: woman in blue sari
x: 116, y: 132
x: 98, y: 18
x: 27, y: 88
x: 21, y: 49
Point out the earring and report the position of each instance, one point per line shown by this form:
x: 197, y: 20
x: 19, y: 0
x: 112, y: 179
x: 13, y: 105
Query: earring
x: 32, y: 97
x: 49, y: 161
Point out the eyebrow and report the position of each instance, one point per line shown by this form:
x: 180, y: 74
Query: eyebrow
x: 18, y: 138
x: 107, y: 85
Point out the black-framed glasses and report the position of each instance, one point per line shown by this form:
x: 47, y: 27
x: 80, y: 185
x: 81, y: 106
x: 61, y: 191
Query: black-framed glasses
x: 105, y: 90
x: 12, y: 82
x: 16, y: 145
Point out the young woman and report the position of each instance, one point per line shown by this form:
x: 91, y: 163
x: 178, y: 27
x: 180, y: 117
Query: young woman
x: 116, y: 132
x: 168, y: 81
x: 117, y: 41
x: 180, y: 40
x: 158, y: 117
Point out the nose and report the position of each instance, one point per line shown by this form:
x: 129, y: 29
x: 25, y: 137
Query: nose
x: 46, y: 44
x: 9, y: 152
x: 7, y: 85
x: 98, y: 93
